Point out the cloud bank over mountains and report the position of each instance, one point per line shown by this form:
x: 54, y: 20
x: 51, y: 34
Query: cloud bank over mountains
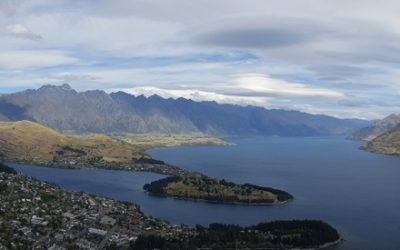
x: 335, y: 57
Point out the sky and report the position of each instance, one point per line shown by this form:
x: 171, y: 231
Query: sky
x: 339, y: 57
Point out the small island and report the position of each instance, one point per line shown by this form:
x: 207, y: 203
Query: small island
x: 201, y: 187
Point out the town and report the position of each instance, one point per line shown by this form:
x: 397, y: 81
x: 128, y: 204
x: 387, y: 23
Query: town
x: 39, y: 215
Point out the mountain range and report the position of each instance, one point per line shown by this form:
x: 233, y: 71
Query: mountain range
x: 95, y: 111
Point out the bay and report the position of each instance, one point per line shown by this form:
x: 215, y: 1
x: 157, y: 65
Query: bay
x: 331, y: 179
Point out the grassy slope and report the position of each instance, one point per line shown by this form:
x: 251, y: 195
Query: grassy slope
x: 30, y: 142
x: 388, y: 143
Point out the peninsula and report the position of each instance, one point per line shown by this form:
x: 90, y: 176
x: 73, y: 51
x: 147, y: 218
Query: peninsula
x: 47, y: 147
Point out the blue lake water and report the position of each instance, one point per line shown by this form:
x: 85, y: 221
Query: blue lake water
x: 355, y: 191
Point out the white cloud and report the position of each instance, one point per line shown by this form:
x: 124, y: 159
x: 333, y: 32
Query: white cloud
x: 266, y: 102
x: 350, y: 53
x: 115, y: 37
x: 247, y: 89
x: 71, y: 77
x: 21, y: 31
x: 194, y: 94
x: 30, y: 59
x: 264, y: 84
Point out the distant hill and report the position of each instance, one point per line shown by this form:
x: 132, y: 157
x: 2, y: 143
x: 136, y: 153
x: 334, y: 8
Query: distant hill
x: 377, y: 128
x: 64, y: 109
x: 29, y: 142
x: 388, y: 143
x: 383, y: 136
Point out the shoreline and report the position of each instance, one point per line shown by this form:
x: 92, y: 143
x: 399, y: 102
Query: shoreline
x: 211, y: 141
x: 282, y: 203
x: 329, y: 244
x: 162, y: 196
x: 224, y: 144
x: 171, y: 172
x: 164, y: 169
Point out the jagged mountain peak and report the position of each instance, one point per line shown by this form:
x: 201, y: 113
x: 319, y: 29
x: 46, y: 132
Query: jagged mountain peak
x: 51, y: 87
x: 66, y: 86
x: 155, y: 97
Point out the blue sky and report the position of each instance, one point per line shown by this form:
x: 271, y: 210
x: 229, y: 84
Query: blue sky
x: 333, y: 57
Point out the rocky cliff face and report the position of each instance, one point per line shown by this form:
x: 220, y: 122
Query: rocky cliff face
x: 388, y: 143
x: 377, y: 128
x: 64, y: 109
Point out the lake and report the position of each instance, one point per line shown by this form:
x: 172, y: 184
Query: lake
x: 331, y: 179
